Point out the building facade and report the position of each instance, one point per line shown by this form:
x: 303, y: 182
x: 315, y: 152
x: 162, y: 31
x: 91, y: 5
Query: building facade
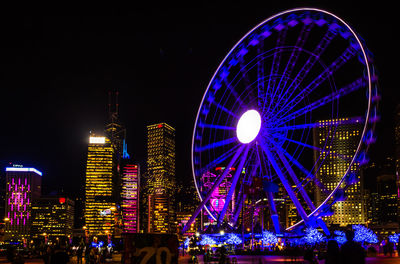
x: 130, y: 196
x: 99, y: 187
x: 53, y: 217
x: 23, y: 186
x: 160, y: 179
x: 336, y: 142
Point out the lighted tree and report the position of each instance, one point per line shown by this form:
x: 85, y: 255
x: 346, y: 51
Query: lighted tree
x: 207, y: 240
x: 394, y: 238
x: 363, y: 234
x: 233, y: 239
x: 313, y: 236
x: 340, y: 237
x: 269, y: 238
x: 186, y: 243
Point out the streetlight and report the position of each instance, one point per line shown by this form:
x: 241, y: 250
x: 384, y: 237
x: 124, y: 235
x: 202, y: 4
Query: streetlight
x: 197, y: 234
x: 222, y: 232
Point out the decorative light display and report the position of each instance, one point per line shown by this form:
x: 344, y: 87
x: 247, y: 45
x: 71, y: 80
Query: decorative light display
x: 394, y: 238
x: 269, y: 238
x: 340, y: 237
x: 23, y: 186
x: 99, y: 187
x: 313, y: 236
x: 207, y: 240
x: 186, y: 243
x: 233, y: 239
x: 364, y: 234
x: 130, y: 198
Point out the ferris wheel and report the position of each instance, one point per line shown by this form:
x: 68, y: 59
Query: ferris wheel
x: 269, y: 119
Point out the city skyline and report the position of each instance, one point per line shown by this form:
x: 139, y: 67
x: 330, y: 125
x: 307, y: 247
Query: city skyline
x: 72, y: 105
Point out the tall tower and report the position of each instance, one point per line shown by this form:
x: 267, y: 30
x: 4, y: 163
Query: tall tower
x: 99, y: 199
x: 397, y: 154
x: 23, y: 186
x: 347, y: 136
x: 161, y: 182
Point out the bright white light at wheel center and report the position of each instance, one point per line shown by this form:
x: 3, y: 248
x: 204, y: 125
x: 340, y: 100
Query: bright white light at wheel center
x: 248, y: 126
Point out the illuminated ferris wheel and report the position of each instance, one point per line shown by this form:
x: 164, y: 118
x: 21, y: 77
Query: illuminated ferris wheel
x: 294, y: 73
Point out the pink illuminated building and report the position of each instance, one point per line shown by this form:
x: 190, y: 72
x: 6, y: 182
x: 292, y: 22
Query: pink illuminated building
x: 23, y: 185
x: 130, y: 197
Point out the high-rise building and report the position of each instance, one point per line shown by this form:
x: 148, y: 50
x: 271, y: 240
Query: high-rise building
x: 99, y: 188
x: 335, y: 156
x: 52, y: 216
x: 160, y: 179
x: 397, y: 155
x: 23, y: 186
x: 130, y: 196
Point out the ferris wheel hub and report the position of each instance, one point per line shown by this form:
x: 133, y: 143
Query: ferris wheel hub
x: 248, y: 127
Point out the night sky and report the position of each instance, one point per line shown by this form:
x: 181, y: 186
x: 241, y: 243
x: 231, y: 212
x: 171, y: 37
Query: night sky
x: 56, y: 71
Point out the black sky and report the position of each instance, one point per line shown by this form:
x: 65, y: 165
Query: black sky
x: 55, y: 72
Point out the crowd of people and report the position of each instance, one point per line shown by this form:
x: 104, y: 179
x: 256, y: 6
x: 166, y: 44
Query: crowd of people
x: 60, y: 253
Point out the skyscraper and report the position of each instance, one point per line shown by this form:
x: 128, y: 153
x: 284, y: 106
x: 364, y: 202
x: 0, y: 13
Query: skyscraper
x: 23, y: 185
x: 336, y: 155
x: 99, y: 199
x: 397, y: 154
x: 130, y: 196
x: 160, y: 181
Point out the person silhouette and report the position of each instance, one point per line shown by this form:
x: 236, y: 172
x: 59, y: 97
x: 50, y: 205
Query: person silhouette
x: 351, y: 252
x: 332, y: 253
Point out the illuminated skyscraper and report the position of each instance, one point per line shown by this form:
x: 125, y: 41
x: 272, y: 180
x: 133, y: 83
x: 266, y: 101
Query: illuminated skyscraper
x: 130, y: 197
x: 161, y: 182
x: 336, y: 155
x: 397, y: 154
x: 53, y: 215
x: 99, y: 188
x: 23, y: 185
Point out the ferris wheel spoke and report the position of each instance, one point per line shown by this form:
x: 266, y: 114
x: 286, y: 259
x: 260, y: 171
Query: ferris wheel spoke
x: 219, y: 106
x: 260, y: 77
x: 322, y: 151
x: 203, y: 125
x: 272, y: 88
x: 354, y: 86
x: 303, y: 36
x: 285, y: 182
x: 238, y: 208
x: 270, y: 196
x: 222, y: 157
x: 353, y: 120
x: 234, y: 93
x: 233, y: 185
x: 294, y: 178
x: 215, y: 185
x: 216, y: 144
x: 308, y: 174
x: 349, y: 53
x: 325, y: 41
